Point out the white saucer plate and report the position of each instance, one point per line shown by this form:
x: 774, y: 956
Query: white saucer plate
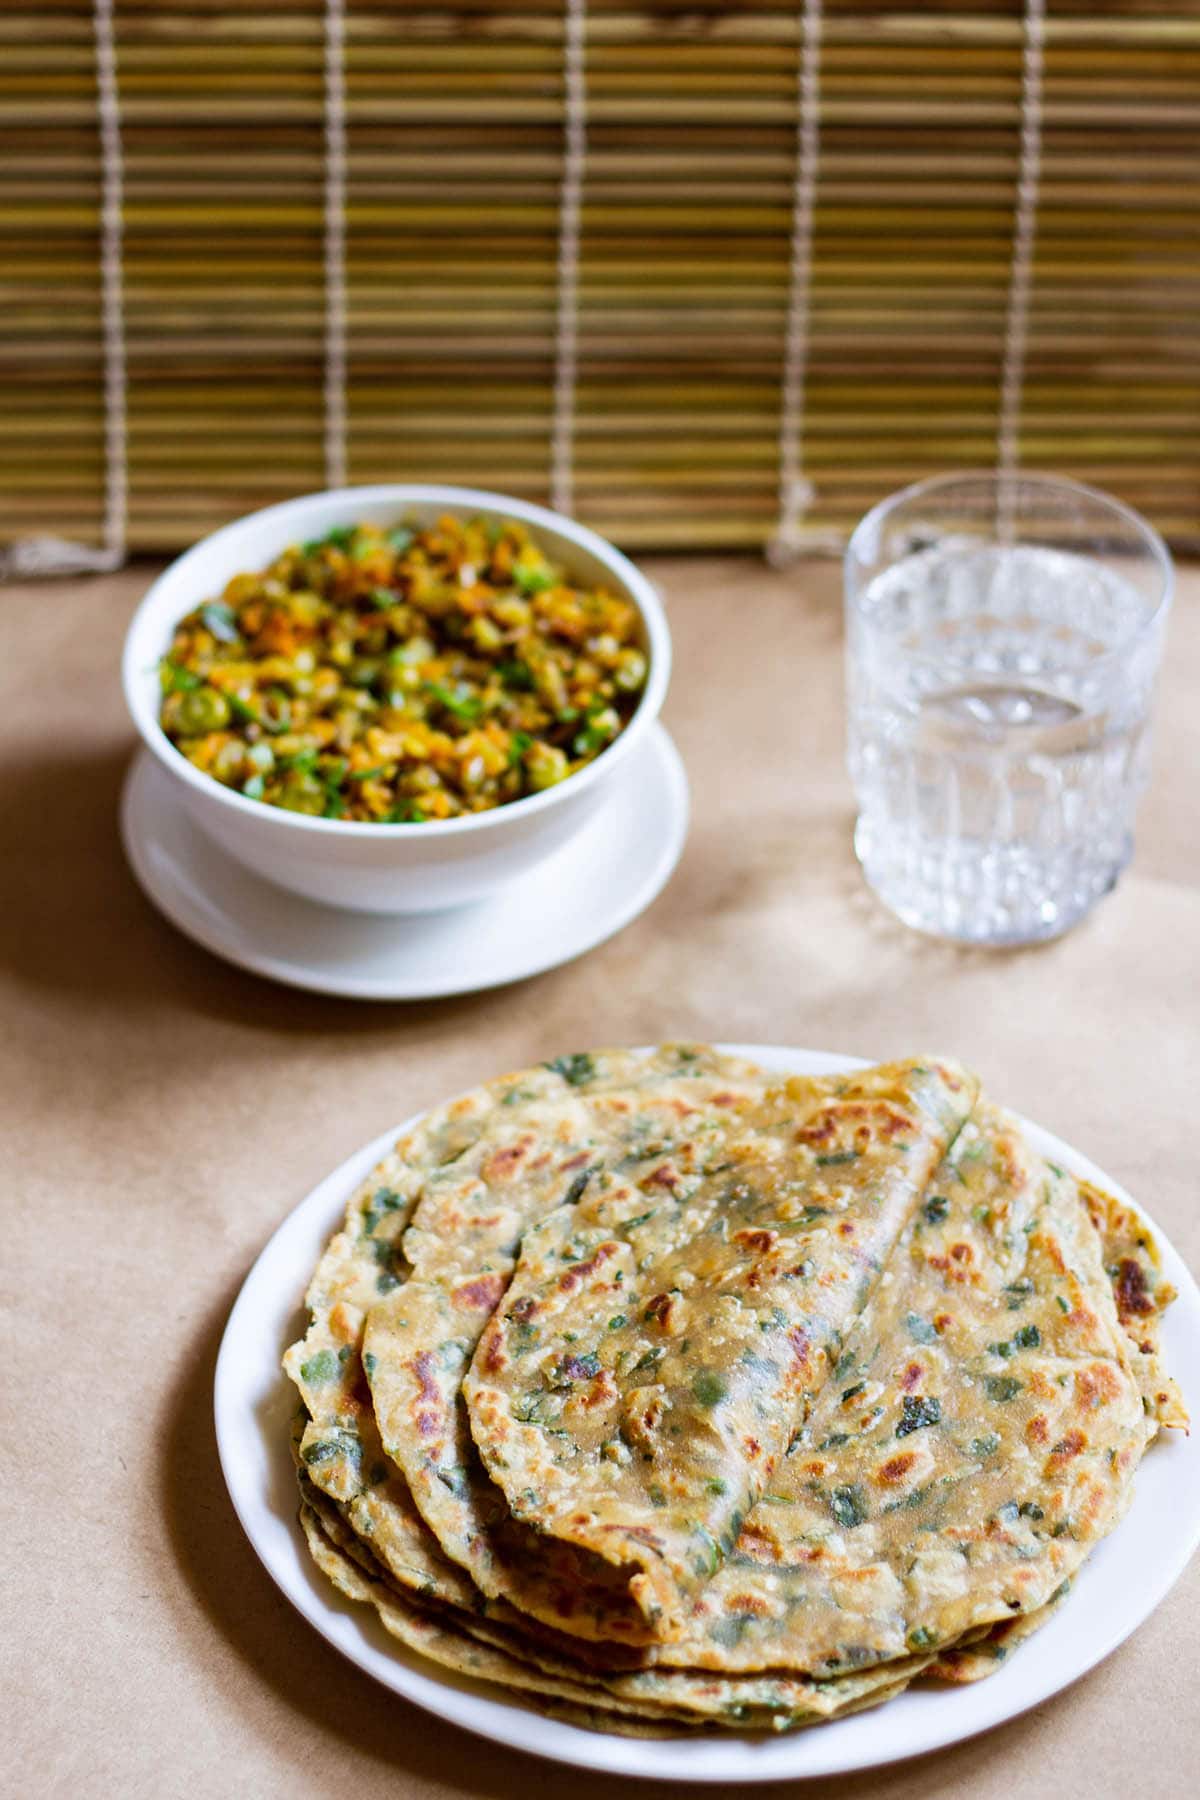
x: 1119, y: 1586
x: 590, y: 889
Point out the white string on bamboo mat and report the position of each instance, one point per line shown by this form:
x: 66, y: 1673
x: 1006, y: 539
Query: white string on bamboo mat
x: 48, y: 555
x: 335, y: 245
x: 1020, y: 278
x: 566, y: 330
x: 795, y: 490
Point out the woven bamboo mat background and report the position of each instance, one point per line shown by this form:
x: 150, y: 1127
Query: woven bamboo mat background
x: 704, y: 298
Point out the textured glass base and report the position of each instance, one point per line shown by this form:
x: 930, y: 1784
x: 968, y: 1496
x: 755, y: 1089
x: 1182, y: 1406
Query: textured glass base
x: 977, y: 893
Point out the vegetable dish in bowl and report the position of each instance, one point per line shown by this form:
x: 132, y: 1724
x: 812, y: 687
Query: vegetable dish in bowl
x: 402, y: 675
x: 397, y: 698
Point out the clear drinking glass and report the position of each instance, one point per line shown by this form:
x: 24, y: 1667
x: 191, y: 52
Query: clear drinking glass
x: 1003, y: 637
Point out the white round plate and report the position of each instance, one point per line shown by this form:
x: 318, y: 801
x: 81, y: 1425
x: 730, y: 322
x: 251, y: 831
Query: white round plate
x: 588, y: 890
x: 1122, y: 1582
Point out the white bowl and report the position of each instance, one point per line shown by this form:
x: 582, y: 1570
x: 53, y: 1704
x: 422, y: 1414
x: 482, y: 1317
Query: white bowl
x: 384, y: 868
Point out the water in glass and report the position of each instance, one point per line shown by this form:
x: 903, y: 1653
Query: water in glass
x: 998, y: 706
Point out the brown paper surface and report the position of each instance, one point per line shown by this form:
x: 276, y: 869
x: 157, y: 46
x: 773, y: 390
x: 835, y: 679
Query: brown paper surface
x: 161, y: 1112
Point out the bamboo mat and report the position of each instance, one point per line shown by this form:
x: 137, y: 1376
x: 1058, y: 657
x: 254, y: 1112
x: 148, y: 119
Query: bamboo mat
x: 685, y: 278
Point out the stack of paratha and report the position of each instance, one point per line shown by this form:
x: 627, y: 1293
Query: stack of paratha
x: 673, y: 1393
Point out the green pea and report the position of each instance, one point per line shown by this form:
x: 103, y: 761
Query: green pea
x: 630, y: 671
x: 600, y: 730
x: 230, y: 761
x: 302, y: 793
x: 204, y: 709
x: 531, y: 574
x: 275, y: 710
x: 545, y: 765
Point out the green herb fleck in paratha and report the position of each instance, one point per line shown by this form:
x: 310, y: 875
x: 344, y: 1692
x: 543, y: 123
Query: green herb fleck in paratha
x: 577, y: 1069
x: 709, y: 1387
x: 1028, y: 1338
x: 849, y: 1506
x: 916, y: 1412
x: 383, y: 1201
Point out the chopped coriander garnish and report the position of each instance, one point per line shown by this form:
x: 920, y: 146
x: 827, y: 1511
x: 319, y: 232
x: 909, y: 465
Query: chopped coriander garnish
x: 463, y: 705
x: 242, y: 709
x: 340, y: 538
x: 178, y: 680
x: 532, y: 578
x: 304, y: 760
x: 218, y: 618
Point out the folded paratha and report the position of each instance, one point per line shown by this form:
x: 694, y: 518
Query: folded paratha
x: 471, y: 1178
x: 486, y: 1649
x: 979, y: 1435
x: 668, y: 1328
